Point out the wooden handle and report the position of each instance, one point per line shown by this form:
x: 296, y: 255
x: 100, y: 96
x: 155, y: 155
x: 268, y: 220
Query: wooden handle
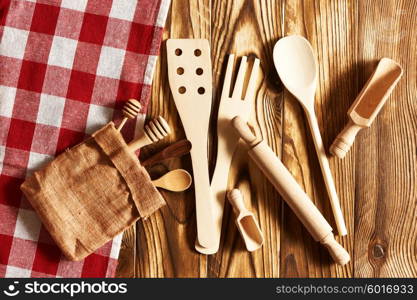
x: 327, y: 175
x: 337, y: 252
x: 285, y: 184
x: 236, y: 199
x: 203, y: 197
x: 244, y: 131
x: 140, y: 142
x: 345, y: 139
x: 174, y: 150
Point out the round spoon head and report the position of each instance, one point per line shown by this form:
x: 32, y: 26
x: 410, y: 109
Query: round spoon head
x: 176, y: 181
x: 297, y: 67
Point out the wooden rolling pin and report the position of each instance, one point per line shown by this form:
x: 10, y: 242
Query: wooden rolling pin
x: 292, y: 193
x: 368, y: 104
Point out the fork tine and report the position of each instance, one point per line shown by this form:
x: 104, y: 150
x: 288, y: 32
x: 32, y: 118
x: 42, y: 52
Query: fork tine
x: 237, y: 91
x: 228, y: 77
x: 252, y: 80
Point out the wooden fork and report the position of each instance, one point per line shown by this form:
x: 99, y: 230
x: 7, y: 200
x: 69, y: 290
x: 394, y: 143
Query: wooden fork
x: 230, y: 107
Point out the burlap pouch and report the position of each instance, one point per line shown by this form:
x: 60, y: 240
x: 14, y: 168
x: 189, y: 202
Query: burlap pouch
x: 91, y: 193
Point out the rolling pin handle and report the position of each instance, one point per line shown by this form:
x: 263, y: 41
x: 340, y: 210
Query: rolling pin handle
x: 236, y: 199
x: 338, y: 253
x: 244, y: 131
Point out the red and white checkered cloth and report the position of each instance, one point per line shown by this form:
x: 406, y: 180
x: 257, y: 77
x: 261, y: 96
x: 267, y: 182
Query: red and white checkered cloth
x: 65, y: 67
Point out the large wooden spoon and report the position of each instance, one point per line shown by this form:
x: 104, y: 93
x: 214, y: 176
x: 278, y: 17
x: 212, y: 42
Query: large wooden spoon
x: 297, y: 67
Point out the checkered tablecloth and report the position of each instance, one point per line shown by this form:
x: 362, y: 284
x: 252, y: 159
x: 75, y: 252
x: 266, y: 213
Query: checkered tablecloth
x: 66, y: 67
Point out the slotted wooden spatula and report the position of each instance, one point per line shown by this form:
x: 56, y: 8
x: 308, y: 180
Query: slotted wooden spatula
x: 190, y: 79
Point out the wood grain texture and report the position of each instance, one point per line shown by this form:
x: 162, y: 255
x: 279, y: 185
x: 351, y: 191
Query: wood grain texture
x: 376, y: 181
x: 386, y: 185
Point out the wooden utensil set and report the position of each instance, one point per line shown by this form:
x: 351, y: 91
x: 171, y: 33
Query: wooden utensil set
x: 190, y: 80
x: 176, y: 180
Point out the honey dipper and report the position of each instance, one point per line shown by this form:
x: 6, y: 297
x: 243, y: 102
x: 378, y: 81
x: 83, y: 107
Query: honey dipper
x: 130, y: 111
x: 155, y: 130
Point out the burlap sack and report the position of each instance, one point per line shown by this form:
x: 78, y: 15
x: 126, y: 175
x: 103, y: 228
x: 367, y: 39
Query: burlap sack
x: 91, y: 193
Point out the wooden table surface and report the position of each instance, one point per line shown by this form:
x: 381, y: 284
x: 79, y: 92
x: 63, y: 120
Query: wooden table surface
x: 376, y: 182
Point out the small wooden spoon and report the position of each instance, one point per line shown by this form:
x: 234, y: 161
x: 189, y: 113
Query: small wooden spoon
x: 175, y: 181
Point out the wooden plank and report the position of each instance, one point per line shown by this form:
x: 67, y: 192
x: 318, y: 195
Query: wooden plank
x: 328, y: 27
x: 376, y: 182
x: 249, y: 28
x: 385, y: 154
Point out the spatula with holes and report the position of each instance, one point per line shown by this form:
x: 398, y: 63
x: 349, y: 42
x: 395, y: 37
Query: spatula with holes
x: 190, y: 80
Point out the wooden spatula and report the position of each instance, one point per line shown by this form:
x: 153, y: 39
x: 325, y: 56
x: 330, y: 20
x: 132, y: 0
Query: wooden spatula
x: 368, y: 104
x: 190, y: 79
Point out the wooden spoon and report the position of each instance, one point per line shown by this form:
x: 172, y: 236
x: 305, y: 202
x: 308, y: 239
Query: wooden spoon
x: 175, y: 181
x: 297, y: 68
x: 176, y: 149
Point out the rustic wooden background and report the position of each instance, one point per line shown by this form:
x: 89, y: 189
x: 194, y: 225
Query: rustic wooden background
x: 376, y: 182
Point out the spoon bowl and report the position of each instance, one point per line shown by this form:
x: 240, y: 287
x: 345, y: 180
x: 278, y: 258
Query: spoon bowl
x: 175, y: 181
x: 297, y: 67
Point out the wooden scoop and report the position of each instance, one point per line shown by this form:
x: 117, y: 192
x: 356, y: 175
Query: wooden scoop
x: 368, y: 104
x: 246, y: 222
x: 175, y: 181
x: 155, y: 130
x: 130, y: 111
x: 297, y: 67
